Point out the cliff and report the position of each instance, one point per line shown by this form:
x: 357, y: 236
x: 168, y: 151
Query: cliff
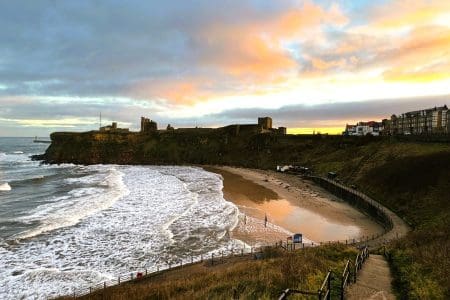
x: 196, y: 146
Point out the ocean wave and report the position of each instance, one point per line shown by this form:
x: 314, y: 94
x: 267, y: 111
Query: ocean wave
x: 79, y: 203
x: 164, y: 215
x: 206, y: 221
x: 45, y: 283
x: 17, y: 152
x: 26, y: 178
x: 5, y: 187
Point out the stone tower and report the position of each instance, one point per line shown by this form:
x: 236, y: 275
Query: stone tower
x: 265, y: 122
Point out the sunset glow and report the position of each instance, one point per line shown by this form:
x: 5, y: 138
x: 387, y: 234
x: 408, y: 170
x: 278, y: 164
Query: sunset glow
x: 213, y: 65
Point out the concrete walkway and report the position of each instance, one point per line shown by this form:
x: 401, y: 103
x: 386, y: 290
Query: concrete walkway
x: 373, y: 281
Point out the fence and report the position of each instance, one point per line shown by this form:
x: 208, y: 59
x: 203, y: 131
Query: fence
x: 211, y: 259
x: 349, y: 276
x: 356, y: 199
x: 219, y: 257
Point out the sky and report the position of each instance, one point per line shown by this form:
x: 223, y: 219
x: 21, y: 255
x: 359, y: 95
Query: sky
x: 311, y: 65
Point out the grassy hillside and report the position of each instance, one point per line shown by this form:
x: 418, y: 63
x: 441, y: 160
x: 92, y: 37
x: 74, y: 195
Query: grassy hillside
x: 414, y: 180
x: 245, y: 279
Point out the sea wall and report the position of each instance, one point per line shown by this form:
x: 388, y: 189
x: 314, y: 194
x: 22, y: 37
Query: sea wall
x: 357, y: 199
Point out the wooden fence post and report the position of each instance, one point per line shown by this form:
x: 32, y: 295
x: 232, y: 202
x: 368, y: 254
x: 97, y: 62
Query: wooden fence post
x: 329, y: 285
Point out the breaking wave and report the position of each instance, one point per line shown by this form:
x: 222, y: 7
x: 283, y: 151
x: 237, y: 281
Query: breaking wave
x: 112, y: 220
x: 79, y: 203
x: 5, y: 187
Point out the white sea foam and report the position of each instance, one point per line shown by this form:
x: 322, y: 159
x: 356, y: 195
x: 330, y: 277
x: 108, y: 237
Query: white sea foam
x: 5, y: 187
x: 169, y: 213
x: 69, y: 209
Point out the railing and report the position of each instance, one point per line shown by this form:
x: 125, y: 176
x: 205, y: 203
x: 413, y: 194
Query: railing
x: 211, y: 259
x: 323, y: 293
x: 355, y: 198
x: 345, y: 278
x: 325, y: 290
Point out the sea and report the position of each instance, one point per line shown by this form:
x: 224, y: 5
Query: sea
x: 66, y: 227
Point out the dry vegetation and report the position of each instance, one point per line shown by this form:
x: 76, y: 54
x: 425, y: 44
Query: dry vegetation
x: 240, y: 278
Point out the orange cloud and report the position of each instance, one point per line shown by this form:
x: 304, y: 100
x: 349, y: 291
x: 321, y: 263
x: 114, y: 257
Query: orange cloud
x: 307, y: 18
x: 423, y: 56
x: 419, y: 52
x: 322, y: 65
x: 250, y: 57
x: 409, y: 13
x: 176, y: 91
x: 256, y: 49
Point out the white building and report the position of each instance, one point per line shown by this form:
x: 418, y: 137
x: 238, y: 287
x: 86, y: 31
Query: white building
x: 364, y: 128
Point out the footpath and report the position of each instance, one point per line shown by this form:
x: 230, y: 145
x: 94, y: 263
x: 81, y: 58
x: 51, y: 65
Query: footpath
x: 374, y: 281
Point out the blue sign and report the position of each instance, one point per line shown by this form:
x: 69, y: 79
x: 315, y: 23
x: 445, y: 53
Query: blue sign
x: 298, y: 237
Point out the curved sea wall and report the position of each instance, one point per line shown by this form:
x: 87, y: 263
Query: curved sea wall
x: 357, y: 200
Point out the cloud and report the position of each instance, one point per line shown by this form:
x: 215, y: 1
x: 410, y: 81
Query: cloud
x: 424, y: 55
x: 401, y: 41
x: 69, y: 60
x: 23, y: 118
x: 408, y: 13
x: 333, y: 114
x: 156, y: 50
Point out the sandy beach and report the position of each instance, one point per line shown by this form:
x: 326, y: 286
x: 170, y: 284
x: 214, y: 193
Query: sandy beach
x: 291, y: 205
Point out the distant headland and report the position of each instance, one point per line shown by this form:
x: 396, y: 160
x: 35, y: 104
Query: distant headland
x: 258, y: 145
x: 150, y: 145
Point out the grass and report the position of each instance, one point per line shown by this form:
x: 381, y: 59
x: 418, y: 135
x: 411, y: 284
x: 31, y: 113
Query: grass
x: 245, y: 279
x: 413, y: 179
x: 420, y: 264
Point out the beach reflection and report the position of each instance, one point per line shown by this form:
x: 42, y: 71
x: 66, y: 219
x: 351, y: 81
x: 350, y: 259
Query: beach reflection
x: 257, y: 201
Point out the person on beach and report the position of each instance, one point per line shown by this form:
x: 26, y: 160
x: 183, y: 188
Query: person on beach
x: 265, y: 220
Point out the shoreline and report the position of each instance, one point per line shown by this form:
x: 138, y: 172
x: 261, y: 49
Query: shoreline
x: 292, y: 205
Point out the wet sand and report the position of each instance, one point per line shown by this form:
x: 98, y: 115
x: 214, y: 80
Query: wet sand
x: 291, y: 205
